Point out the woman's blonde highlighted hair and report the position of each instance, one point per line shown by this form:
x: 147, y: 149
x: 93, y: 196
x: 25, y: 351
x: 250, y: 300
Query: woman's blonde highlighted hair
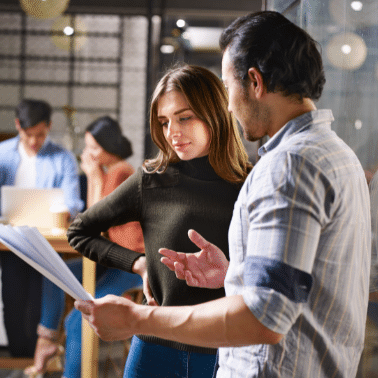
x: 208, y: 99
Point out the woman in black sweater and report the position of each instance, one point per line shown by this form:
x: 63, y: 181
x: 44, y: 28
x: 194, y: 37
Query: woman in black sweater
x: 191, y: 184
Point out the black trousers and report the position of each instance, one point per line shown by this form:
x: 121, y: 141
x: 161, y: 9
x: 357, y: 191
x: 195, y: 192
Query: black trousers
x: 22, y: 293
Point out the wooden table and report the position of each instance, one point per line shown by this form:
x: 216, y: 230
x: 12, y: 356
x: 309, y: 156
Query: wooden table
x: 89, y: 353
x: 58, y: 242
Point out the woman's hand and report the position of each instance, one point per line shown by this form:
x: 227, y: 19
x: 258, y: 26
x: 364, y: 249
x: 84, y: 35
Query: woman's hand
x: 89, y: 165
x: 140, y: 267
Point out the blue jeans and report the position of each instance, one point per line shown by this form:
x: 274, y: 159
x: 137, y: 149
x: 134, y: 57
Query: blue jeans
x: 109, y: 281
x: 147, y: 360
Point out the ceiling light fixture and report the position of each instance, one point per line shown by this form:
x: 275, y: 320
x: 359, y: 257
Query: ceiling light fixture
x: 180, y: 23
x: 356, y: 5
x: 354, y: 13
x: 68, y: 33
x: 167, y: 49
x: 68, y: 30
x: 358, y: 124
x: 346, y: 51
x: 44, y: 9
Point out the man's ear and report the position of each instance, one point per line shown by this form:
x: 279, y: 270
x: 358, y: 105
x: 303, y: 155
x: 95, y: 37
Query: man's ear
x: 256, y: 82
x: 17, y: 123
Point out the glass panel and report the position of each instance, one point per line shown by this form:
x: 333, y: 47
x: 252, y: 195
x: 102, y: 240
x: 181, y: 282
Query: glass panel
x: 10, y: 44
x: 55, y: 96
x: 347, y: 32
x: 88, y: 72
x: 9, y: 69
x: 39, y: 24
x: 95, y: 98
x: 47, y: 62
x: 101, y: 24
x: 281, y: 5
x: 135, y: 39
x: 99, y: 47
x: 7, y: 121
x: 9, y: 95
x: 10, y: 21
x: 47, y: 71
x: 43, y: 46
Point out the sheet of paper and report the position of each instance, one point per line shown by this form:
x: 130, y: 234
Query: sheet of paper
x: 32, y: 247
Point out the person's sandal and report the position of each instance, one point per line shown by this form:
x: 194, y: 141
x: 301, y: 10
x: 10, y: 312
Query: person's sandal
x: 47, y: 357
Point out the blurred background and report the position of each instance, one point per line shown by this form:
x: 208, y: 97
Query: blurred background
x: 90, y: 58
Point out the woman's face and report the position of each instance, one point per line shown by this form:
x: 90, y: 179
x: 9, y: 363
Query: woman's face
x: 186, y: 134
x: 95, y: 150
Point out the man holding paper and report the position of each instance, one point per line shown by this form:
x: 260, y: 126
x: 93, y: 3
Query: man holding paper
x: 32, y: 160
x: 297, y: 283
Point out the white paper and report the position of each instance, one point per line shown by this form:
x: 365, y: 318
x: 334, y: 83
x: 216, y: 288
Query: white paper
x: 32, y: 247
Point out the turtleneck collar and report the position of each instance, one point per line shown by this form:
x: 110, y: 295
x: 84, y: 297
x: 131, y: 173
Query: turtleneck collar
x: 199, y: 168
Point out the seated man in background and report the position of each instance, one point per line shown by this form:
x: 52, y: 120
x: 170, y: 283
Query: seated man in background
x: 31, y: 160
x: 103, y: 162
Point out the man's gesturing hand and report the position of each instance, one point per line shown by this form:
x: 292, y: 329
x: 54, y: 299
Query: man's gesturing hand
x: 206, y: 268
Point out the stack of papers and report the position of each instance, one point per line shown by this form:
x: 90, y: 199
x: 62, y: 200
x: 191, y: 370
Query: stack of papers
x: 29, y: 244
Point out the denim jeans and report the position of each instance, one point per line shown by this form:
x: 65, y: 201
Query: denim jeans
x: 109, y: 281
x: 147, y: 360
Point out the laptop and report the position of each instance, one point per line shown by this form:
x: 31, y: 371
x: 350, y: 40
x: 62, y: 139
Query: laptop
x: 30, y: 206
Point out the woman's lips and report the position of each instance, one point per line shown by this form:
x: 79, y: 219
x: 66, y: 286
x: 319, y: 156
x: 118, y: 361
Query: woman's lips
x: 179, y: 146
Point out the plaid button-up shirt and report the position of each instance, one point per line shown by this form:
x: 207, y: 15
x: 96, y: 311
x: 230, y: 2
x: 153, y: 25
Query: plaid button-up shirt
x: 300, y: 255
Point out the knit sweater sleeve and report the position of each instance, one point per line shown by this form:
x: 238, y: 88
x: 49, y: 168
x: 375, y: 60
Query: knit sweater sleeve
x: 119, y: 207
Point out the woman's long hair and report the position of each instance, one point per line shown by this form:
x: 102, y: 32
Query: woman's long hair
x: 208, y: 99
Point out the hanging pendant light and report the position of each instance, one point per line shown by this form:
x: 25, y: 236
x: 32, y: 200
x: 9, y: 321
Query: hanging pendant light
x: 346, y: 51
x: 354, y: 13
x: 44, y: 8
x: 67, y: 30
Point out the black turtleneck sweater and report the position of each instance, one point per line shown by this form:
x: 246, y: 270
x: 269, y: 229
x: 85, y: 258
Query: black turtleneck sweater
x: 189, y: 195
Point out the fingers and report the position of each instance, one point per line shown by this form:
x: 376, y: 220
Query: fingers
x: 168, y: 263
x: 198, y: 239
x: 176, y: 256
x: 150, y: 299
x: 148, y: 293
x: 179, y: 270
x: 84, y: 306
x: 174, y: 266
x: 190, y: 280
x: 171, y: 258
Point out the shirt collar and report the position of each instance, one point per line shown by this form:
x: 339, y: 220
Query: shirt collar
x: 296, y: 125
x: 21, y: 148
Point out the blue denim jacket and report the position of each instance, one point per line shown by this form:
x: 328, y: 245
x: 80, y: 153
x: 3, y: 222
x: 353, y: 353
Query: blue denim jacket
x: 56, y: 168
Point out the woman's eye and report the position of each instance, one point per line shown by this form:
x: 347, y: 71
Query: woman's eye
x: 183, y: 119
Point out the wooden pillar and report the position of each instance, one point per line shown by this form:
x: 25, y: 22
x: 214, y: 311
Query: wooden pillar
x: 90, y: 342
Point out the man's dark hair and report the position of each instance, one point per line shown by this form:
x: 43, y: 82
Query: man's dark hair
x: 285, y: 55
x: 31, y: 112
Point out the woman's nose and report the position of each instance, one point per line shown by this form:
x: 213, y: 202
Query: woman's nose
x: 173, y: 129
